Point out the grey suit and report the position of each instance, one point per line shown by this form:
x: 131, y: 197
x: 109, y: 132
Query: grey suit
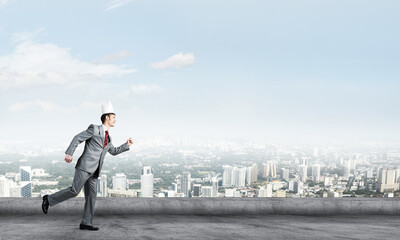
x: 87, y: 168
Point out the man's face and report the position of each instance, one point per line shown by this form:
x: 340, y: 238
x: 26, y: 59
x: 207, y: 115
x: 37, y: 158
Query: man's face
x: 111, y: 120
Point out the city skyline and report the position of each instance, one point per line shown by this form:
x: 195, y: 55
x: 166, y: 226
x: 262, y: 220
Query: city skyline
x: 246, y: 172
x: 307, y: 71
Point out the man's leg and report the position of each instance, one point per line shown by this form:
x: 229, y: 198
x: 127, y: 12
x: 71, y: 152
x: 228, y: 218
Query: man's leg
x: 80, y: 178
x: 90, y: 200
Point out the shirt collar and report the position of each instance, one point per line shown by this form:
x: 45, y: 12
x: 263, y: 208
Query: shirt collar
x: 104, y: 128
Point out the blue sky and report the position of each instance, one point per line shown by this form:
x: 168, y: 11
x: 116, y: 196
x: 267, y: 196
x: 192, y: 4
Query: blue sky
x: 311, y: 71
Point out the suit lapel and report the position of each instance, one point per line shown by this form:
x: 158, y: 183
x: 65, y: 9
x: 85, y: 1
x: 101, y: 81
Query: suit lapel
x: 102, y: 135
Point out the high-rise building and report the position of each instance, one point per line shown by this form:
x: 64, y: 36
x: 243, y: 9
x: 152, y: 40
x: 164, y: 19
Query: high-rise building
x: 146, y: 182
x: 386, y: 181
x: 304, y: 161
x: 269, y: 170
x: 251, y: 174
x: 227, y: 179
x: 196, y: 190
x: 9, y: 188
x: 285, y: 174
x: 185, y: 181
x: 265, y: 170
x: 248, y: 175
x: 214, y: 192
x: 316, y: 171
x: 353, y: 165
x: 290, y: 185
x: 316, y: 152
x: 298, y: 187
x: 303, y: 173
x: 119, y: 182
x: 239, y: 177
x: 254, y: 173
x: 4, y: 187
x: 347, y: 167
x: 396, y: 175
x: 319, y: 152
x: 234, y: 176
x: 26, y: 189
x: 26, y: 184
x: 102, y: 189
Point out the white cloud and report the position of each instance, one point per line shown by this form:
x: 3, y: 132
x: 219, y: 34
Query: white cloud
x: 34, y: 63
x: 116, y: 4
x: 176, y: 61
x: 112, y: 57
x: 142, y: 89
x: 45, y: 105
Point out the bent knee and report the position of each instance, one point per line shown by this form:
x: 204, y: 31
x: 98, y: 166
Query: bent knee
x: 74, y: 192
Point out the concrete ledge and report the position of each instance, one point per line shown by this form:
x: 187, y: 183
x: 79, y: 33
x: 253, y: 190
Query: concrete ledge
x: 209, y: 206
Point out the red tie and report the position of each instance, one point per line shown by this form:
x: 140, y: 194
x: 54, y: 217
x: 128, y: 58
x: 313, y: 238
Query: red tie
x: 106, y: 139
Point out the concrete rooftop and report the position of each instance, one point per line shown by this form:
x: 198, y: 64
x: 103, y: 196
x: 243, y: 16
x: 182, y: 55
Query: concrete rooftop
x: 202, y: 227
x: 205, y: 218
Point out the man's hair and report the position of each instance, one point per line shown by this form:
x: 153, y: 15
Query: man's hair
x: 103, y: 117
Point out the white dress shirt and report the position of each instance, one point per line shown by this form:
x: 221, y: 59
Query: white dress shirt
x: 105, y: 129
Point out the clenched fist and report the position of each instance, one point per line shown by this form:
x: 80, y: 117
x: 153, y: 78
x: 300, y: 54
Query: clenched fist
x: 68, y: 158
x: 130, y: 141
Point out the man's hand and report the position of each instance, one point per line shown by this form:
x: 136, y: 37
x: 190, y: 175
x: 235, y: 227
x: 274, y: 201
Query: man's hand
x: 129, y: 142
x: 68, y: 158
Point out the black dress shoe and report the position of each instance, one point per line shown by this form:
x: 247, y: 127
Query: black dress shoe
x: 45, y: 204
x: 88, y: 227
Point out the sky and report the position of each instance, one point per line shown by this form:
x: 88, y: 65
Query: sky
x: 306, y: 71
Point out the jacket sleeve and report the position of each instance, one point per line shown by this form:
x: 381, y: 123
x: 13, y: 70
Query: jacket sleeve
x: 117, y: 150
x: 83, y: 136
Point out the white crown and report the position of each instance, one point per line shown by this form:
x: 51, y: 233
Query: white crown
x: 107, y: 108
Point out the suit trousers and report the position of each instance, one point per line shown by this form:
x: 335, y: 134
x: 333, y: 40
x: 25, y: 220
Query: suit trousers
x: 81, y: 178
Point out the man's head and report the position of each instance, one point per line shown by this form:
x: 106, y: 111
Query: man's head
x: 108, y: 119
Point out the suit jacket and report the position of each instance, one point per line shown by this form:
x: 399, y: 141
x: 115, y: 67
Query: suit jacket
x: 94, y: 152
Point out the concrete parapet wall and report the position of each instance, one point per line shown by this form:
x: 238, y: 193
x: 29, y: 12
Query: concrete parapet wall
x: 209, y: 206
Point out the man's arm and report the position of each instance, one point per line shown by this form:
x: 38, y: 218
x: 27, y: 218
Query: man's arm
x: 124, y: 147
x: 117, y: 150
x: 83, y: 136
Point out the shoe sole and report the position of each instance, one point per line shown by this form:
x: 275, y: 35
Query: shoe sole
x: 43, y: 207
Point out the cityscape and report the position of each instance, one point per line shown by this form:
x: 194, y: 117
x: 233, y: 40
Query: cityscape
x: 243, y: 119
x: 205, y: 167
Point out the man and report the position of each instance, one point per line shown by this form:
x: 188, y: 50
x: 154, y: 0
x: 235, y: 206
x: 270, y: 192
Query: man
x: 97, y: 143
